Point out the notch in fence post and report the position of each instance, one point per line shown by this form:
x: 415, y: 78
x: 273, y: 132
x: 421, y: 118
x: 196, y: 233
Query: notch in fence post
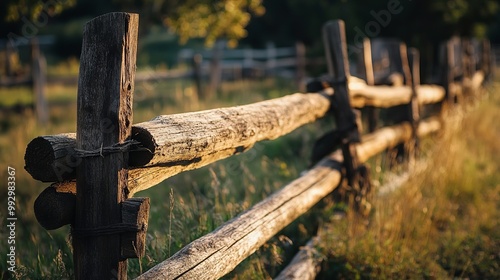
x: 104, y: 119
x: 338, y: 68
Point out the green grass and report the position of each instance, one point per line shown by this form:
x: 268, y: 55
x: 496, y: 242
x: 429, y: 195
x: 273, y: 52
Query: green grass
x: 443, y: 224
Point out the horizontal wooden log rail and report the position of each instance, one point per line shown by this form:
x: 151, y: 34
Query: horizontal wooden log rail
x: 189, y: 140
x: 388, y: 96
x: 192, y: 140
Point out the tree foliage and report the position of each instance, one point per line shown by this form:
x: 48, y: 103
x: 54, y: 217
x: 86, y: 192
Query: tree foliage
x: 33, y: 9
x: 213, y: 19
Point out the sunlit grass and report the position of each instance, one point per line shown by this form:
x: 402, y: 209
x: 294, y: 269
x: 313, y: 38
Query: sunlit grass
x: 443, y: 223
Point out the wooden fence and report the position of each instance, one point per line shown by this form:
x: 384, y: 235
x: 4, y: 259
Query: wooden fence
x: 97, y: 170
x: 36, y: 76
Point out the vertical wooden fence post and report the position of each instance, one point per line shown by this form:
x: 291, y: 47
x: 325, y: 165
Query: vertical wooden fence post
x: 300, y: 53
x: 104, y: 122
x: 338, y: 69
x: 448, y: 71
x: 9, y: 50
x: 39, y: 76
x: 367, y: 66
x: 414, y: 108
x: 197, y: 60
x: 215, y: 70
x: 486, y: 58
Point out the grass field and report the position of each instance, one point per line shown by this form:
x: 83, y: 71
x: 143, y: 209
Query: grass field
x: 442, y: 224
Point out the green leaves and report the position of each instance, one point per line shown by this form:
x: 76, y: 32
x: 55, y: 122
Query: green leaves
x: 213, y: 19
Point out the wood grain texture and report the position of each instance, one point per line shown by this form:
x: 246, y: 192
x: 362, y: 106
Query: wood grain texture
x: 187, y: 141
x: 51, y: 158
x: 104, y: 118
x: 217, y: 253
x: 183, y: 138
x: 135, y: 211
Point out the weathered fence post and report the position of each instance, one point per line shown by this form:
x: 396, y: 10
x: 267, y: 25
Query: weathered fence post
x: 338, y: 69
x: 39, y: 77
x: 367, y: 66
x: 104, y: 122
x: 197, y: 75
x: 414, y: 108
x: 215, y: 70
x: 448, y: 71
x: 486, y: 64
x: 9, y: 51
x: 300, y: 53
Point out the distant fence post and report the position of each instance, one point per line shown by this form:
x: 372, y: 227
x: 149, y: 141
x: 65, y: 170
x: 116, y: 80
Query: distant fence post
x: 486, y: 60
x: 448, y: 70
x: 334, y: 38
x: 215, y: 69
x: 9, y: 50
x: 197, y: 60
x: 414, y: 108
x: 367, y: 66
x: 270, y: 58
x: 300, y: 53
x: 39, y: 76
x: 104, y: 123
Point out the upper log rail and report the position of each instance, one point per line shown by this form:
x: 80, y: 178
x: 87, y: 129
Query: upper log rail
x: 192, y: 140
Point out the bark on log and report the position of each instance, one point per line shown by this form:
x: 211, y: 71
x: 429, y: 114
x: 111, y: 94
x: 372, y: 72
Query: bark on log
x: 387, y: 96
x: 217, y: 253
x: 182, y: 141
x: 184, y: 138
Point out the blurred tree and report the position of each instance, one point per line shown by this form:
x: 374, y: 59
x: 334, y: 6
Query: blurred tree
x: 208, y: 19
x: 34, y: 9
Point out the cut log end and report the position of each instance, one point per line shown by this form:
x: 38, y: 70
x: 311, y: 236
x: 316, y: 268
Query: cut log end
x: 52, y: 158
x: 55, y: 207
x: 39, y: 148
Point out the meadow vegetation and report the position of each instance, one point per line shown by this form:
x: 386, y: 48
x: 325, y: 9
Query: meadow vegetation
x: 442, y: 224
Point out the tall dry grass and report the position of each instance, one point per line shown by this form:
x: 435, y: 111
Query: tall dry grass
x: 442, y: 223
